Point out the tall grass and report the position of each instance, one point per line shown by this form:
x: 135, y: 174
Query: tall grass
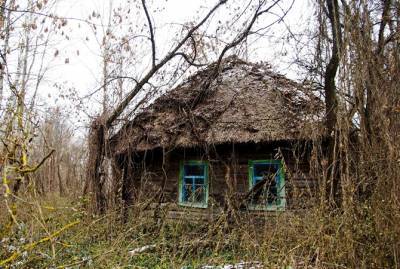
x: 369, y: 238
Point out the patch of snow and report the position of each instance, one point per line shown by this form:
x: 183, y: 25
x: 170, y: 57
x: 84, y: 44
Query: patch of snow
x: 141, y: 249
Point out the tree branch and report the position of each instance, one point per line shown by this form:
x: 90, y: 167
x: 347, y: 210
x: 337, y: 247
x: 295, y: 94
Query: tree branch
x: 151, y: 29
x: 188, y: 60
x: 35, y: 168
x: 384, y: 20
x: 120, y: 108
x: 234, y: 43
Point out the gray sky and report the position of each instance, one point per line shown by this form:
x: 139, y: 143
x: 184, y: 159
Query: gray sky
x: 83, y: 72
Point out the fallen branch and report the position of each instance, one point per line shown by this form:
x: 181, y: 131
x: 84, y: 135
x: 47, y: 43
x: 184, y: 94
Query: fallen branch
x: 30, y: 246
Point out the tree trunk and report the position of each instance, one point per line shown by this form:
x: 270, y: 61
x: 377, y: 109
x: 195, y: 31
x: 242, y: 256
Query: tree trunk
x: 95, y: 169
x: 331, y: 105
x: 60, y: 183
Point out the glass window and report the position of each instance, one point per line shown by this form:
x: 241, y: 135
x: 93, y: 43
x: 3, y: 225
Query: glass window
x: 266, y: 180
x: 193, y: 185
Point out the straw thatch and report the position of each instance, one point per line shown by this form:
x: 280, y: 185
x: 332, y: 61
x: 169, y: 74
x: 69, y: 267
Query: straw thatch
x: 246, y: 102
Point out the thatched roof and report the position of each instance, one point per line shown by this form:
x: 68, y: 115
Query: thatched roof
x: 246, y: 102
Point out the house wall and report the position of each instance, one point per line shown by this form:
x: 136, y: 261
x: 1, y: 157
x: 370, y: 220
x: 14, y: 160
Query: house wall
x: 147, y: 173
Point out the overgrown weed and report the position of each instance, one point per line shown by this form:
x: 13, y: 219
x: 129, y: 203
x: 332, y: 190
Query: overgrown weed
x: 310, y: 239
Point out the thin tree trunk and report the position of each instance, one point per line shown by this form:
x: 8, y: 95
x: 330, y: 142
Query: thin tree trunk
x: 60, y: 183
x: 4, y: 27
x: 333, y: 181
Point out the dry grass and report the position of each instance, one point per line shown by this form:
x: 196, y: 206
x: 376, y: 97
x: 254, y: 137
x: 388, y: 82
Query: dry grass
x: 313, y: 239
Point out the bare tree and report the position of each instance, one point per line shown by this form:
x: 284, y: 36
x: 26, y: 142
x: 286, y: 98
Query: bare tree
x: 26, y: 40
x: 64, y: 170
x: 362, y: 57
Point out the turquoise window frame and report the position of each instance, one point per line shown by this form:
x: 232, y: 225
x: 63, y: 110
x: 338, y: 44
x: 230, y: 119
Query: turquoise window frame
x: 181, y: 181
x: 281, y: 201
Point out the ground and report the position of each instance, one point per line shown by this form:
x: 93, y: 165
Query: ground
x: 60, y: 233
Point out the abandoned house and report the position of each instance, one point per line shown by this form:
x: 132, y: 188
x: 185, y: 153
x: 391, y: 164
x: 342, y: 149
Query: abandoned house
x: 237, y: 136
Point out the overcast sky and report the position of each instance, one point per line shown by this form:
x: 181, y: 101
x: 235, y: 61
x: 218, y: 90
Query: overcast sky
x: 83, y: 72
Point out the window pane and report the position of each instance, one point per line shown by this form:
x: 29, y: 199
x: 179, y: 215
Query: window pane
x: 188, y: 180
x: 194, y: 170
x: 263, y: 169
x: 268, y: 194
x: 199, y: 194
x: 194, y: 193
x: 187, y: 193
x: 199, y: 181
x: 271, y: 192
